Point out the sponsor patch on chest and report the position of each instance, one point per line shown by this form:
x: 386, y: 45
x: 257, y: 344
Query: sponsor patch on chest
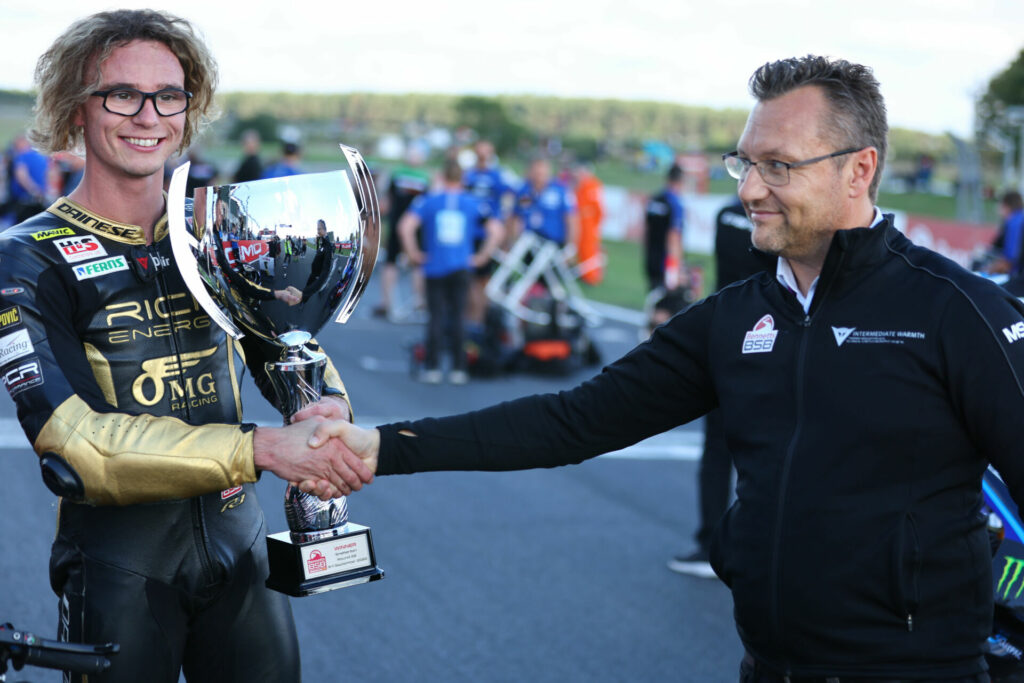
x: 100, y: 268
x: 761, y: 339
x: 82, y: 248
x: 853, y: 335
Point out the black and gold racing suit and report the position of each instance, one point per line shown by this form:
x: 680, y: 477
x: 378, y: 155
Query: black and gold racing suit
x: 116, y: 369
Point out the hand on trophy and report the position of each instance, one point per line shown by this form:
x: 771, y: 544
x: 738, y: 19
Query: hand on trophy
x: 329, y: 469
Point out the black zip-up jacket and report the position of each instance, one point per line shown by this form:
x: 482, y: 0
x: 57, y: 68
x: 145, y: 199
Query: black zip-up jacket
x: 860, y: 432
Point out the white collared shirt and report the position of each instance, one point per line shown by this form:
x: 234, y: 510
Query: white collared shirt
x: 784, y: 274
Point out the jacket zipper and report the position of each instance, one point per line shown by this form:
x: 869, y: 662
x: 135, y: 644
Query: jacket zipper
x: 776, y: 618
x: 805, y: 324
x: 198, y: 513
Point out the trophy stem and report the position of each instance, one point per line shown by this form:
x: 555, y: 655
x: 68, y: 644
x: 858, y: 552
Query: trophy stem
x: 298, y: 380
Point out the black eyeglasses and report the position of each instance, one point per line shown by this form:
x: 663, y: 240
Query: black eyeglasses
x: 775, y: 173
x: 129, y: 101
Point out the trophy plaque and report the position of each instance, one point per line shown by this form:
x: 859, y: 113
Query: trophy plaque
x: 278, y: 259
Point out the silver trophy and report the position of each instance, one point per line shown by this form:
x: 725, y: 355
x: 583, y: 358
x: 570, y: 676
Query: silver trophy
x: 278, y: 259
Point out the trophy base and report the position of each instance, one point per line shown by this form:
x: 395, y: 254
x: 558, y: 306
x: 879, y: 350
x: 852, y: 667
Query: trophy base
x: 306, y: 568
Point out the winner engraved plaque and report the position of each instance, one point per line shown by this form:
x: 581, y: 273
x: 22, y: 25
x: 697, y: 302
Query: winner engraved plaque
x: 277, y: 259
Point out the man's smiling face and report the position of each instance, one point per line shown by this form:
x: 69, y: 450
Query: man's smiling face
x: 133, y: 146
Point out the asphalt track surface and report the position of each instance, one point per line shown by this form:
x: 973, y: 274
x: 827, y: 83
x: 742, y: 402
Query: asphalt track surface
x: 543, y: 575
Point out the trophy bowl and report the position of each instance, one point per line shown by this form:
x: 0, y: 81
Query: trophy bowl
x: 278, y: 259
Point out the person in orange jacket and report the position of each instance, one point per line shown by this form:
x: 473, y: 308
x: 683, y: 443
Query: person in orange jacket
x: 591, y: 211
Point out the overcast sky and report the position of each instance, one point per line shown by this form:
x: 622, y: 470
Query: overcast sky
x: 932, y: 57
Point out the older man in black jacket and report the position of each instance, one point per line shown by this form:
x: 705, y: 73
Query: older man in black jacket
x: 864, y: 388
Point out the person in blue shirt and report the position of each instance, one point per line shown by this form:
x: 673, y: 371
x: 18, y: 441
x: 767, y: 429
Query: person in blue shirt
x: 545, y: 206
x: 28, y: 181
x: 288, y: 164
x: 449, y: 219
x: 1008, y: 244
x: 484, y: 180
x: 663, y: 234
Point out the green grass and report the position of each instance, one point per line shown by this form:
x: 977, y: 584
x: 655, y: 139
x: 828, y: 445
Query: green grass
x: 624, y: 281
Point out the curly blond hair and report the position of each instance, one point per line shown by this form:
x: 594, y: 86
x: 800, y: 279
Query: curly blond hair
x: 68, y: 72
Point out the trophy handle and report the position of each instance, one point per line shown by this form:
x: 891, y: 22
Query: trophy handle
x: 369, y: 216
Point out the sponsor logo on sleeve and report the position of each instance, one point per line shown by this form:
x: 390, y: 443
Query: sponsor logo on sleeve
x: 761, y: 339
x: 23, y: 377
x: 1014, y: 332
x: 50, y: 234
x: 11, y: 291
x: 10, y: 317
x: 16, y: 345
x: 100, y: 268
x: 82, y: 248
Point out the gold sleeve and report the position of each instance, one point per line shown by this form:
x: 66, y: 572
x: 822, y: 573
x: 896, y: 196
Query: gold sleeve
x: 126, y: 459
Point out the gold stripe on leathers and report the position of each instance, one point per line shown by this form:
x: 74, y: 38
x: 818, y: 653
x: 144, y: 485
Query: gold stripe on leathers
x: 126, y: 459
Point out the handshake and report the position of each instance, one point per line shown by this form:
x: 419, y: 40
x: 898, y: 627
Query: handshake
x: 321, y: 451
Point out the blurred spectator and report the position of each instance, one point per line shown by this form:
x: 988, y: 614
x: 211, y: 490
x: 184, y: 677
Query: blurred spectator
x: 485, y: 180
x: 591, y: 211
x: 1007, y: 246
x: 288, y: 164
x: 406, y: 183
x: 201, y: 173
x: 28, y: 180
x: 663, y: 235
x: 70, y: 168
x: 544, y: 206
x: 923, y: 178
x: 448, y: 220
x: 250, y: 168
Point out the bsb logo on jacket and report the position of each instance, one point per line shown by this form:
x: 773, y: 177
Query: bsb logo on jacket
x: 761, y: 339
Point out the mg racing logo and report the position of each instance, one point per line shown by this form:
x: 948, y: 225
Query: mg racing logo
x: 161, y: 376
x: 761, y: 339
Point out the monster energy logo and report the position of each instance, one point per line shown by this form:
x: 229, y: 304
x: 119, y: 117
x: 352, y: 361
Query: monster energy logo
x: 1011, y: 572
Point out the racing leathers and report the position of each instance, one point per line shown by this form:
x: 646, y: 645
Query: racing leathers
x: 119, y: 373
x: 860, y: 432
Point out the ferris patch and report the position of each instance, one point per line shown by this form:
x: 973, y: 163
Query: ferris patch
x: 761, y: 339
x: 75, y: 249
x: 99, y: 268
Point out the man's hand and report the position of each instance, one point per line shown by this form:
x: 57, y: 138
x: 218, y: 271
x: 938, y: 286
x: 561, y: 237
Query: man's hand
x: 360, y: 443
x: 331, y: 407
x: 326, y: 468
x: 290, y: 295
